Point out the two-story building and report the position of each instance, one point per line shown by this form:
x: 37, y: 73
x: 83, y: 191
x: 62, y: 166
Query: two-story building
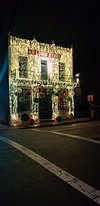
x: 40, y: 80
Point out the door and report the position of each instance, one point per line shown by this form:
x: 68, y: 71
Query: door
x: 45, y: 107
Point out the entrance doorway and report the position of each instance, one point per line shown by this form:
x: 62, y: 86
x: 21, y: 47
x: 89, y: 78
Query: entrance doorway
x: 45, y: 107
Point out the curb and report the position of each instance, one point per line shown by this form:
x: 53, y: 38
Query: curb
x: 55, y: 124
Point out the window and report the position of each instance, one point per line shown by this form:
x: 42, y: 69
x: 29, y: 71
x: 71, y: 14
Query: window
x: 43, y: 70
x: 24, y: 100
x: 61, y: 71
x: 23, y: 67
x: 62, y: 100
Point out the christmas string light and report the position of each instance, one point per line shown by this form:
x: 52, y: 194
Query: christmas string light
x: 25, y: 72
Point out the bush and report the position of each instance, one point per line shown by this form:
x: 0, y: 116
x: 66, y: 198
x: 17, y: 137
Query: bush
x: 25, y: 117
x: 59, y: 118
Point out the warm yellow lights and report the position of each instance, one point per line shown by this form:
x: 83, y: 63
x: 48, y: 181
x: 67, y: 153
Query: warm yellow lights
x: 30, y: 77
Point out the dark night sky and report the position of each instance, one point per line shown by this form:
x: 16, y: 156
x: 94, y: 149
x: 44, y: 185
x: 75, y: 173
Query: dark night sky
x: 64, y: 22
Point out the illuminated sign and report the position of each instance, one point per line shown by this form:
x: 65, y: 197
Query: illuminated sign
x: 44, y: 54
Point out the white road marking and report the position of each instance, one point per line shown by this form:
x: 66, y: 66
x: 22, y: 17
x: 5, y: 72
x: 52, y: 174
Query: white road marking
x: 77, y: 137
x: 73, y: 127
x: 38, y: 130
x: 79, y: 185
x: 71, y: 135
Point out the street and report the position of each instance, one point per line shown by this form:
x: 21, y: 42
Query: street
x: 54, y: 165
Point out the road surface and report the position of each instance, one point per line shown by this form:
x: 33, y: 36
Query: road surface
x: 57, y: 165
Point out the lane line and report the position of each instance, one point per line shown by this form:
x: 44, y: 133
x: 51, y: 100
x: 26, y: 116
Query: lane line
x: 76, y: 127
x: 77, y: 137
x: 71, y: 135
x: 79, y: 185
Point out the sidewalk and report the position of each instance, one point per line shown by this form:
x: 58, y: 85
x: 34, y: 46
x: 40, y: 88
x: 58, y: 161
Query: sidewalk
x: 50, y: 123
x: 4, y: 126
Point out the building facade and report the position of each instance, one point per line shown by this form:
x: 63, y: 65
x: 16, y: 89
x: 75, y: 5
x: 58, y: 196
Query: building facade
x: 40, y: 81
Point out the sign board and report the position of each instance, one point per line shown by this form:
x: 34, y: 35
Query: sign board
x: 44, y: 54
x: 90, y: 98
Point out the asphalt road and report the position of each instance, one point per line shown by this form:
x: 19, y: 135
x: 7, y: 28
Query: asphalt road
x: 46, y: 166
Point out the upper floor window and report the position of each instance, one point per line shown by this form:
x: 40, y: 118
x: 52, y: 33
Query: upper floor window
x: 61, y: 71
x: 23, y: 73
x: 43, y: 70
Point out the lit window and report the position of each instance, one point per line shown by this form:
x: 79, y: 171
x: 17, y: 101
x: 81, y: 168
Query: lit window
x: 24, y: 99
x: 62, y: 102
x: 43, y: 70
